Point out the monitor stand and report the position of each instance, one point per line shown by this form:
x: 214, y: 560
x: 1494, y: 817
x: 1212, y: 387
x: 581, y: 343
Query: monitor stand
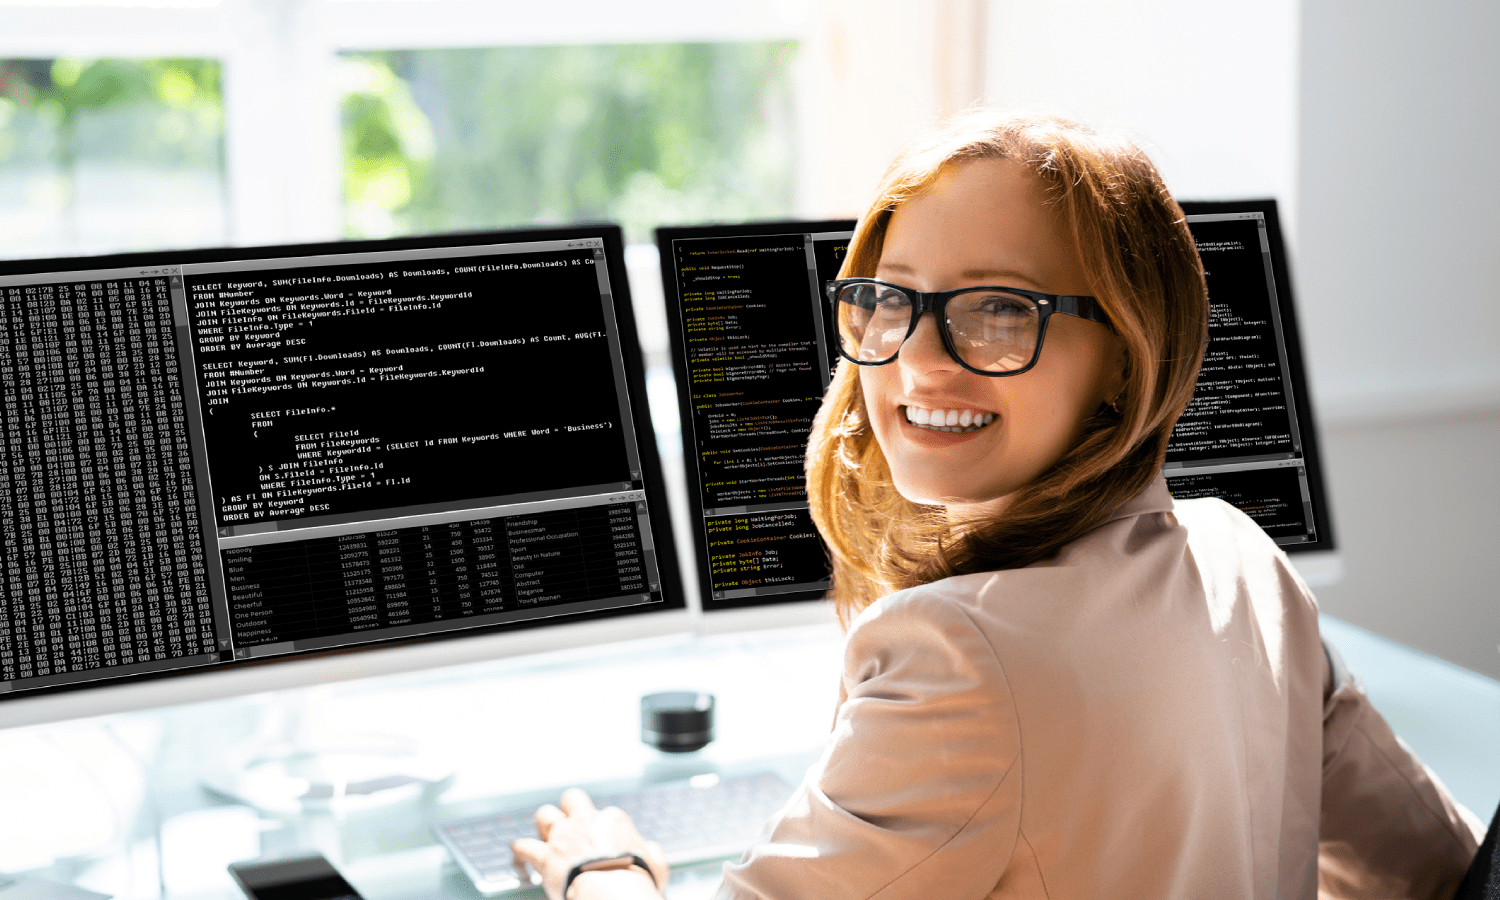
x: 290, y: 768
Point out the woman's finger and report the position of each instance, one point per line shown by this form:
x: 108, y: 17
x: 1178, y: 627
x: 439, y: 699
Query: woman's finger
x: 530, y: 851
x: 547, y: 816
x: 575, y: 802
x: 614, y: 817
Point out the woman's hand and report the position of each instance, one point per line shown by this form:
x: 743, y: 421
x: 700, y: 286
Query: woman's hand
x: 576, y: 832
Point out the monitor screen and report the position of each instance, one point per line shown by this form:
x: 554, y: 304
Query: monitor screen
x: 1248, y: 436
x: 750, y: 346
x: 222, y: 459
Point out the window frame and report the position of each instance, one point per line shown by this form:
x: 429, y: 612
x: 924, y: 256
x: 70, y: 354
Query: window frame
x: 283, y: 162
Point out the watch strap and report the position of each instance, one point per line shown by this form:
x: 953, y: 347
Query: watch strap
x: 606, y: 863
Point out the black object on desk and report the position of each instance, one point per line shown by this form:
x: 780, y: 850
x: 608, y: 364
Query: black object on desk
x: 309, y: 877
x: 1483, y: 879
x: 677, y: 721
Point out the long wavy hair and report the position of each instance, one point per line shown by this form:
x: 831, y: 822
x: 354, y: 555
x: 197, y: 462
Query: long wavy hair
x: 1143, y: 268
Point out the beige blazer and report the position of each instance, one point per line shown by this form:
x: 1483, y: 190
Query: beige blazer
x: 1149, y: 714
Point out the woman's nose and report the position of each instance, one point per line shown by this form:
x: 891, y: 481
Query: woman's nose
x: 924, y: 351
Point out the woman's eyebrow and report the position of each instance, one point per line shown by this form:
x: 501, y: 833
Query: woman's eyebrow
x: 1000, y: 274
x: 972, y: 274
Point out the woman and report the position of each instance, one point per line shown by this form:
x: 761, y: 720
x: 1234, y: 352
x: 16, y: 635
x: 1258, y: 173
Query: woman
x: 1058, y: 682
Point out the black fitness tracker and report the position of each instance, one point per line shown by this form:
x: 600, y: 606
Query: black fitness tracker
x: 603, y: 863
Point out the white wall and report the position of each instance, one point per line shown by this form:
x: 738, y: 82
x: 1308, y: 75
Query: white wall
x: 1413, y: 504
x: 1209, y: 89
x: 1374, y: 125
x: 1399, y: 278
x: 1400, y: 122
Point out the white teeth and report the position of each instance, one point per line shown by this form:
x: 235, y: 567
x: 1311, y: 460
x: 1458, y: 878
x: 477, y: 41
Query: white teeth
x: 951, y: 420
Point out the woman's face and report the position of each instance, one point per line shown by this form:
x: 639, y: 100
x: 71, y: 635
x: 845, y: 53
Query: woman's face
x: 984, y: 222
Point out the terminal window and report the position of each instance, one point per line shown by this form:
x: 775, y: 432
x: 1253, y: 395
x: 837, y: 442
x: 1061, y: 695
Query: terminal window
x: 1240, y: 438
x: 255, y: 457
x: 757, y: 360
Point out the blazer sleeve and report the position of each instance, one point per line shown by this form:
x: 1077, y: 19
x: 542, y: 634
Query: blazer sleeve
x: 918, y: 792
x: 1388, y: 826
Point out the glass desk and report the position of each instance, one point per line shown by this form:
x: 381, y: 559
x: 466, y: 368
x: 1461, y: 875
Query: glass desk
x: 117, y: 805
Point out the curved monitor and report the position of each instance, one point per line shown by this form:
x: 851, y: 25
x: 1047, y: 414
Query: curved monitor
x: 227, y: 471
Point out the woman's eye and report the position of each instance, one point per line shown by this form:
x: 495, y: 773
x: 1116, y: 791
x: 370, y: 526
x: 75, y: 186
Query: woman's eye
x: 891, y: 303
x: 1002, y: 305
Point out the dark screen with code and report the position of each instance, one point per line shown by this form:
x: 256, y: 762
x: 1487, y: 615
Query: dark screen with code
x: 390, y: 385
x: 217, y: 458
x: 751, y: 342
x: 1245, y: 437
x: 750, y: 331
x: 103, y: 565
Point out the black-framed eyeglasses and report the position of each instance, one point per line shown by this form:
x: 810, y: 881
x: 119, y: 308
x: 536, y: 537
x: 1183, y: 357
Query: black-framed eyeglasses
x: 988, y: 330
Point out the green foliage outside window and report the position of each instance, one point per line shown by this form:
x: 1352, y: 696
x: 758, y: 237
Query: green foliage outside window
x: 82, y: 139
x: 447, y: 140
x: 61, y: 91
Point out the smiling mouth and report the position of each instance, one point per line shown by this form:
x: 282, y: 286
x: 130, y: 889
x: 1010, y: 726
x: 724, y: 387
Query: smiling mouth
x: 949, y: 420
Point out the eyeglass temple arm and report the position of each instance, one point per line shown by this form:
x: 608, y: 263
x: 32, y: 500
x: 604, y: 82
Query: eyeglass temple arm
x: 1082, y: 307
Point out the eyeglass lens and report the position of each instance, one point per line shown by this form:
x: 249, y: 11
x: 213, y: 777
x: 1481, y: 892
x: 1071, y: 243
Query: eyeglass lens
x: 993, y: 331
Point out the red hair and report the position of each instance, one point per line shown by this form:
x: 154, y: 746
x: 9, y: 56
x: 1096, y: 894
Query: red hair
x: 1144, y: 269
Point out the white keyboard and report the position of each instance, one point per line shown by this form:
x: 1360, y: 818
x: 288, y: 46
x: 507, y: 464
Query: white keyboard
x: 708, y: 817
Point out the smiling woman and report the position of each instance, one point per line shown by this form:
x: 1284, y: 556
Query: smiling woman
x: 1035, y: 203
x: 1058, y: 680
x: 985, y: 222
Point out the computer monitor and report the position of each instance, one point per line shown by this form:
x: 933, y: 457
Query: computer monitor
x: 231, y: 471
x: 1249, y: 436
x: 751, y: 348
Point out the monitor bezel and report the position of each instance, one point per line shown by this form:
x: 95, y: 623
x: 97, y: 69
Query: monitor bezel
x: 237, y: 677
x: 1281, y: 274
x: 665, y: 236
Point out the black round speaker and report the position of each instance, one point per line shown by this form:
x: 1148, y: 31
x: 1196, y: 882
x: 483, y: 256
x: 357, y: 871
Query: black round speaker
x: 677, y: 721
